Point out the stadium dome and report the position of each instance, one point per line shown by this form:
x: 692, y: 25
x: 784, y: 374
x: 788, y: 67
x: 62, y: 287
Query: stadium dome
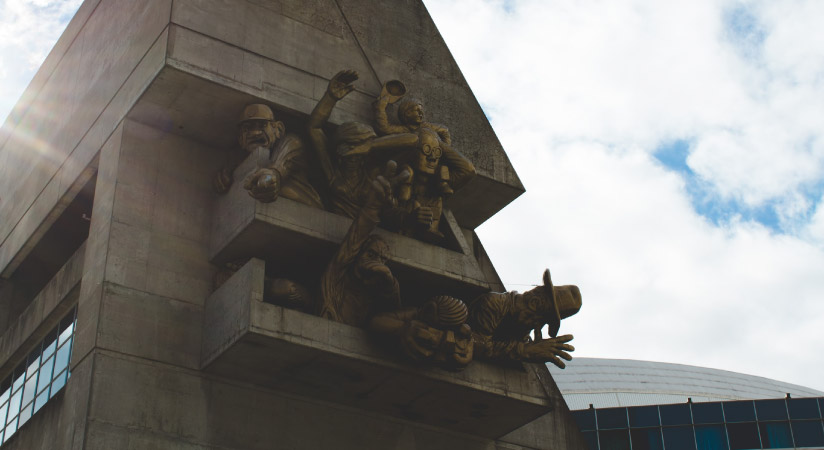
x: 607, y: 383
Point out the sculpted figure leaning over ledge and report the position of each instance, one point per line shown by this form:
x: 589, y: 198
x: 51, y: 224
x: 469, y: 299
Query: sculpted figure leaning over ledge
x: 286, y: 172
x: 501, y: 323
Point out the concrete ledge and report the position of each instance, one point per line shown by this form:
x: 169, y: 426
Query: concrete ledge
x: 286, y: 232
x: 248, y: 340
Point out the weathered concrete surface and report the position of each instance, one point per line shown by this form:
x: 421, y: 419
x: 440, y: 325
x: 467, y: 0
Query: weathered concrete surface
x: 109, y: 63
x: 179, y: 72
x: 298, y: 241
x: 248, y: 340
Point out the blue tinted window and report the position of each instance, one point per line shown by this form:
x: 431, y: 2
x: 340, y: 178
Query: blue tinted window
x: 711, y: 437
x: 646, y: 439
x: 612, y: 418
x: 771, y: 409
x: 743, y: 435
x: 614, y: 439
x: 739, y: 411
x: 676, y: 414
x: 808, y: 433
x: 679, y: 438
x: 775, y: 434
x: 707, y: 413
x: 644, y: 416
x: 803, y: 408
x: 585, y: 419
x: 591, y: 439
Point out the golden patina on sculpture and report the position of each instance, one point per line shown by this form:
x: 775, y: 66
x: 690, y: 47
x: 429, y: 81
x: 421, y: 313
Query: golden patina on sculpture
x: 362, y: 180
x: 286, y: 172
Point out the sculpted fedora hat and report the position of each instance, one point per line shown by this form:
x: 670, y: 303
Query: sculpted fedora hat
x: 565, y: 301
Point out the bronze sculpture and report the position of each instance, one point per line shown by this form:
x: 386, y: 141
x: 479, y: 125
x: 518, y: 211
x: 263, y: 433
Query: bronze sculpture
x: 357, y: 283
x: 350, y: 161
x: 287, y: 170
x: 357, y: 287
x: 501, y: 323
x: 436, y: 332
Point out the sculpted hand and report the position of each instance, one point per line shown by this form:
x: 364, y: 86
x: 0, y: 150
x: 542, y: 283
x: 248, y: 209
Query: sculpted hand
x: 423, y: 215
x: 341, y: 83
x: 386, y: 184
x: 223, y: 181
x: 549, y: 350
x: 263, y: 185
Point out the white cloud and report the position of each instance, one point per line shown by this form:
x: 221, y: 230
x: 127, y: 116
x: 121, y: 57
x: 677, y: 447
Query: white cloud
x: 28, y: 31
x: 581, y: 95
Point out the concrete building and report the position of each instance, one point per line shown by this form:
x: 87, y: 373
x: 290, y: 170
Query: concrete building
x: 114, y: 335
x: 622, y: 404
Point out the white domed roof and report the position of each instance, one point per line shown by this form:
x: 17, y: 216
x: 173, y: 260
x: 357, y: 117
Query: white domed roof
x: 607, y: 383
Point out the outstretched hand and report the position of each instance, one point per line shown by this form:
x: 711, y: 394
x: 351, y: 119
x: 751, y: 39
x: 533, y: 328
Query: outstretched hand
x: 386, y: 184
x: 550, y: 350
x: 341, y: 83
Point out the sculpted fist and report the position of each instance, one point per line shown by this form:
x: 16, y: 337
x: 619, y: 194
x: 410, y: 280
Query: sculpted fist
x: 341, y: 83
x: 549, y: 350
x: 263, y: 185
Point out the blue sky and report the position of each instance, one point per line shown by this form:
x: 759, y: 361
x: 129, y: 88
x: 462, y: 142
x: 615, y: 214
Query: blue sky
x: 673, y: 154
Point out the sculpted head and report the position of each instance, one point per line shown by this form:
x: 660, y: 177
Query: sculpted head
x: 429, y: 152
x: 258, y: 128
x: 372, y: 258
x: 410, y: 112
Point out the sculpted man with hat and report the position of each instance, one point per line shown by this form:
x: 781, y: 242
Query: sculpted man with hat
x: 501, y: 323
x: 286, y: 173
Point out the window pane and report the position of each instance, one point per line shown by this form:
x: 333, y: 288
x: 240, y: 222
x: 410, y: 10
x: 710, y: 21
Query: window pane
x: 51, y: 344
x: 614, y: 439
x: 3, y: 410
x: 803, y: 408
x: 775, y: 434
x: 11, y: 428
x: 585, y: 419
x: 33, y: 362
x: 591, y: 439
x: 19, y: 376
x: 739, y: 411
x: 45, y: 375
x: 24, y: 415
x: 679, y: 438
x: 707, y: 413
x: 743, y: 435
x: 808, y: 433
x: 28, y: 391
x: 62, y: 357
x: 711, y: 437
x: 646, y: 439
x: 644, y: 416
x: 14, y: 405
x: 5, y: 396
x: 66, y: 329
x: 612, y: 418
x: 771, y: 409
x: 41, y: 400
x: 675, y: 414
x: 58, y: 383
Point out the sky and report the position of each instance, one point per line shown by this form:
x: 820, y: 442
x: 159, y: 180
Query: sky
x: 673, y: 155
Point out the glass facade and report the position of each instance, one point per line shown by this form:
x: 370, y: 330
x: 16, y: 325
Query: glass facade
x: 36, y: 379
x: 736, y: 425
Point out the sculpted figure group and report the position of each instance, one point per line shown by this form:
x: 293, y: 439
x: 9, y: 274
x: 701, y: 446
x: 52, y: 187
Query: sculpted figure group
x: 395, y: 175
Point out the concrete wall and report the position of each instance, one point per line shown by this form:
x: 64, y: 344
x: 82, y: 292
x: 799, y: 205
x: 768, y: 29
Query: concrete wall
x: 145, y: 93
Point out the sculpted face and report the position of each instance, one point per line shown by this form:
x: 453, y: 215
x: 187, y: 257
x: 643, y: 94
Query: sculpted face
x: 429, y: 153
x: 528, y: 310
x: 410, y: 112
x: 257, y: 133
x: 372, y: 260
